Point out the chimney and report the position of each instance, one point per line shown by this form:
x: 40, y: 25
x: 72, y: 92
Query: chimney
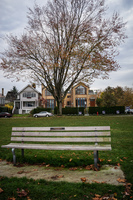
x: 34, y: 85
x: 2, y: 91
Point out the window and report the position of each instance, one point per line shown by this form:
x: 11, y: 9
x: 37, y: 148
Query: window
x: 47, y: 93
x: 29, y: 104
x: 91, y: 92
x: 29, y: 94
x: 80, y: 102
x: 80, y: 90
x: 50, y: 103
x: 68, y: 103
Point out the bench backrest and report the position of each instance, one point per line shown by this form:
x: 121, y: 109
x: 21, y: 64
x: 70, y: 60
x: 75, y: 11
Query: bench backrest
x: 92, y: 134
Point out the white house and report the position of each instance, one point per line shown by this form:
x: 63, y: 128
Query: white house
x: 2, y: 98
x: 27, y: 99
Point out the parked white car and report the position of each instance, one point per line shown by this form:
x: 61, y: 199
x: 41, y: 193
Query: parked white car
x: 129, y: 111
x: 43, y: 114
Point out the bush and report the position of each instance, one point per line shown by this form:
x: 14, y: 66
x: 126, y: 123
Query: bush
x: 5, y: 109
x: 39, y: 109
x: 108, y: 110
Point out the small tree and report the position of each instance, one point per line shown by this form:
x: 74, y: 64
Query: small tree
x: 128, y: 97
x: 14, y: 90
x: 65, y: 42
x: 108, y: 97
x: 99, y: 101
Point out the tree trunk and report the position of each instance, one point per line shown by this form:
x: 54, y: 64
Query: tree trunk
x: 59, y: 106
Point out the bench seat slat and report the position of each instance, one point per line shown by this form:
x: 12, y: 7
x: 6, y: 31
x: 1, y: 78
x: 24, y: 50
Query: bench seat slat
x: 59, y: 147
x: 35, y: 139
x: 80, y: 128
x: 60, y: 133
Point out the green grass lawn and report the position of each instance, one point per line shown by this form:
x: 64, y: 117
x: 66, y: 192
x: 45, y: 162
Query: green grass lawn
x: 121, y: 154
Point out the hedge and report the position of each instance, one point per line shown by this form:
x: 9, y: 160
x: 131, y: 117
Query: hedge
x: 71, y: 110
x: 107, y: 110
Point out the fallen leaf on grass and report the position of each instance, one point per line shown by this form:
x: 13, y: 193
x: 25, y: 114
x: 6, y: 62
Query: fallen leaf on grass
x: 20, y: 172
x: 58, y: 169
x: 28, y: 198
x: 95, y: 181
x: 56, y: 177
x: 83, y: 180
x: 97, y: 195
x: 70, y: 160
x: 88, y: 167
x: 125, y: 158
x: 22, y: 193
x: 73, y: 168
x: 120, y: 180
x: 61, y: 176
x: 1, y: 190
x: 12, y: 198
x: 128, y: 189
x: 118, y: 164
x: 35, y: 169
x: 91, y: 167
x: 100, y: 160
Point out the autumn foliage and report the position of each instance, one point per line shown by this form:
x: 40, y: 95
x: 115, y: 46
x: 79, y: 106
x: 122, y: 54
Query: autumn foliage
x: 65, y: 42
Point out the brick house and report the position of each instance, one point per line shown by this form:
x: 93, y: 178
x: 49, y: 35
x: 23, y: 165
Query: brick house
x: 80, y: 95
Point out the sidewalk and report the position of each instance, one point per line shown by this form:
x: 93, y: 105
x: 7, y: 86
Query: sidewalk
x: 107, y: 174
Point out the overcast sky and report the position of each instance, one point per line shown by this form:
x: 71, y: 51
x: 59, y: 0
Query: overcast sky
x: 13, y: 19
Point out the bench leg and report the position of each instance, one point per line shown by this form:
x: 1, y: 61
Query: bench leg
x: 95, y: 158
x: 14, y: 156
x: 22, y: 151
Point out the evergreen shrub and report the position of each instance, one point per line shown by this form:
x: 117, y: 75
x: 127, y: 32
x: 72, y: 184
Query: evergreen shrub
x: 71, y: 110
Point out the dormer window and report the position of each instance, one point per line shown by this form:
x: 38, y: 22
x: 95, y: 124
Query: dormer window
x: 80, y: 90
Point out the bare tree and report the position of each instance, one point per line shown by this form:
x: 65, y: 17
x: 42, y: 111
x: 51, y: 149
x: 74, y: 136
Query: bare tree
x: 65, y: 42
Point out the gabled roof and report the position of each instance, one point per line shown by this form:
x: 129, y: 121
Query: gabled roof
x: 30, y: 87
x: 11, y: 95
x: 81, y: 83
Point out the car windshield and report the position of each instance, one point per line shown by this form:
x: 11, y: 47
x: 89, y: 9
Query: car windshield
x: 43, y: 112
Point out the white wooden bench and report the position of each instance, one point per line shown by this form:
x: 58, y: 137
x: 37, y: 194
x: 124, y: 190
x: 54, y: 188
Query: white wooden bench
x: 43, y: 137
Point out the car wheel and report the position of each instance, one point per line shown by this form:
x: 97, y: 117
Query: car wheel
x: 47, y: 116
x: 36, y: 116
x: 5, y: 116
